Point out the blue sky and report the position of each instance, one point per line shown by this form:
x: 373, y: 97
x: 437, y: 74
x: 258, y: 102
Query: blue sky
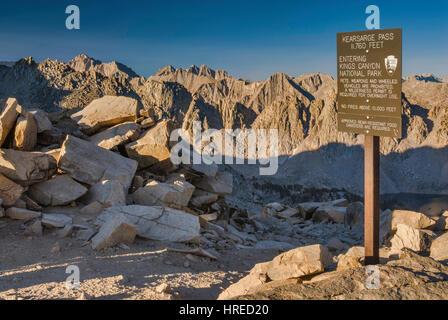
x: 249, y: 39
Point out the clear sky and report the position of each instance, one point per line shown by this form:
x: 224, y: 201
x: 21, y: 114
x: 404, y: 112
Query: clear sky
x: 249, y: 39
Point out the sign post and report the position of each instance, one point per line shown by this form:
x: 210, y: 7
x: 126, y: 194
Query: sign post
x: 369, y: 103
x: 371, y: 199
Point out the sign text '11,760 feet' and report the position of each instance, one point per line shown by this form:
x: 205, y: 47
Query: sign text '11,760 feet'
x: 369, y: 82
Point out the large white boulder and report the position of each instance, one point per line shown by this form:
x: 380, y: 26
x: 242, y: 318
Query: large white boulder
x: 294, y: 263
x: 25, y: 133
x: 58, y: 191
x: 176, y: 194
x: 117, y: 135
x: 107, y: 192
x: 152, y: 149
x: 410, y: 238
x: 26, y: 168
x: 106, y: 112
x: 91, y: 164
x: 300, y: 262
x: 157, y: 223
x: 9, y: 111
x: 114, y: 231
x: 414, y: 219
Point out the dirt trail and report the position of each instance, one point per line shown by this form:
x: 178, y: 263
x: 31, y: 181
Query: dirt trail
x: 30, y: 270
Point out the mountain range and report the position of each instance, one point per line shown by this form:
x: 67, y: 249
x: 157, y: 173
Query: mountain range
x: 302, y: 108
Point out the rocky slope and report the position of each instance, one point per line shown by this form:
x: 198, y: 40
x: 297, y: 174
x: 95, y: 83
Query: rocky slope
x: 303, y: 109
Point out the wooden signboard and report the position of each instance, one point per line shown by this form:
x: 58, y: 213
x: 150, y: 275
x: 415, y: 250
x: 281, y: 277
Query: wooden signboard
x: 369, y: 82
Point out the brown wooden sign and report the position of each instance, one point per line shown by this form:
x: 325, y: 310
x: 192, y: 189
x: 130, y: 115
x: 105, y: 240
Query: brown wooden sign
x: 369, y: 82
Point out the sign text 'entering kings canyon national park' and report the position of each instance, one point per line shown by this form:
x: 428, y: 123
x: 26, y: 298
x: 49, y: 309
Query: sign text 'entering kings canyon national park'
x: 369, y: 82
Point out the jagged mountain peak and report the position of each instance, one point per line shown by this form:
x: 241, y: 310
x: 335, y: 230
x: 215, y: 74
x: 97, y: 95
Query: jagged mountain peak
x: 166, y: 71
x: 206, y: 71
x: 82, y: 56
x: 193, y: 69
x: 202, y: 71
x: 192, y: 78
x: 83, y: 63
x: 279, y: 76
x: 26, y: 61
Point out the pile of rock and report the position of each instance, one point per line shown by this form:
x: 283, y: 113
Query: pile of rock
x: 293, y: 264
x: 420, y: 233
x: 409, y: 237
x: 400, y: 277
x: 399, y: 229
x: 110, y: 161
x: 281, y: 227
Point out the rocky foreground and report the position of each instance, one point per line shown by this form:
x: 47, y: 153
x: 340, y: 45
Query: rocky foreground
x: 411, y: 264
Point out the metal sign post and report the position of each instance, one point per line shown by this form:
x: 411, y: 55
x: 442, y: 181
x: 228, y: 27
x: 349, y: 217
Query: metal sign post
x: 371, y: 199
x: 369, y: 103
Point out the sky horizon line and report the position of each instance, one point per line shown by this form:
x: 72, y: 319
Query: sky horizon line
x: 441, y: 77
